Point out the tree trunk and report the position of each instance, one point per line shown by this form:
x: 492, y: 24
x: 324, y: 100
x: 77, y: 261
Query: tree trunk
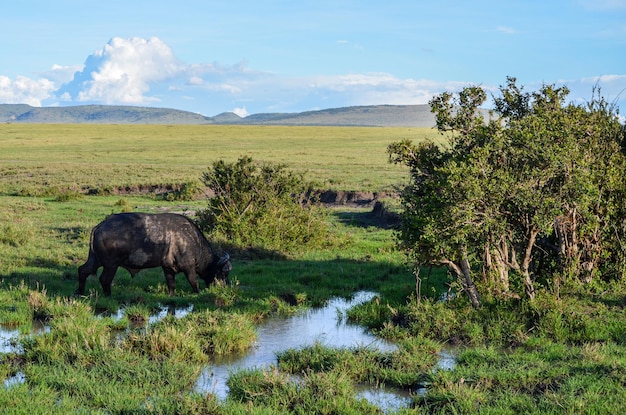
x: 502, y: 264
x: 525, y: 268
x: 464, y: 273
x: 467, y: 282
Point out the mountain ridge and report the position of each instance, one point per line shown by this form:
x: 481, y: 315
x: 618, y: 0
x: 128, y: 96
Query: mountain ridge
x: 369, y: 115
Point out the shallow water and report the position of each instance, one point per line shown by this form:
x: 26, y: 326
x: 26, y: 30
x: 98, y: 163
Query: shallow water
x: 170, y: 311
x: 9, y: 344
x: 326, y: 326
x: 387, y: 399
x: 163, y: 312
x: 9, y: 336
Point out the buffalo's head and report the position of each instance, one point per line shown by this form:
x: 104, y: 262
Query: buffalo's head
x: 218, y: 270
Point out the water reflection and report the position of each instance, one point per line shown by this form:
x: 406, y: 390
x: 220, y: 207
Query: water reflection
x: 326, y: 326
x: 10, y: 343
x: 16, y: 379
x: 170, y: 311
x: 8, y: 340
x: 9, y: 337
x: 388, y: 400
x: 447, y: 360
x: 163, y: 312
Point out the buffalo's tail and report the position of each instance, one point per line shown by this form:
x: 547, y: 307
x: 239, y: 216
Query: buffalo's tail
x: 88, y: 268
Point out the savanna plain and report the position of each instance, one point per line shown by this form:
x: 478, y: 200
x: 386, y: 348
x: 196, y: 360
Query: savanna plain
x: 96, y: 354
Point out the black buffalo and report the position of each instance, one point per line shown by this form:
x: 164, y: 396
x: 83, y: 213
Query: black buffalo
x: 136, y: 241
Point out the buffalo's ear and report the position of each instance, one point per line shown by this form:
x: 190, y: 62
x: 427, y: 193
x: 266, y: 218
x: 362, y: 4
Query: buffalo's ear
x: 227, y: 267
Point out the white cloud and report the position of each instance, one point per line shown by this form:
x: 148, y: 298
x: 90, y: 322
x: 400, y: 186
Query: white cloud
x: 61, y: 74
x: 242, y: 112
x: 65, y: 97
x: 223, y: 87
x: 383, y: 88
x: 605, y: 79
x: 124, y: 71
x: 196, y: 80
x: 24, y: 90
x: 611, y: 87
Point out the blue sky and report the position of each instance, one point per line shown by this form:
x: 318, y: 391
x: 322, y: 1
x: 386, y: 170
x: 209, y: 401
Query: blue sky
x: 290, y: 56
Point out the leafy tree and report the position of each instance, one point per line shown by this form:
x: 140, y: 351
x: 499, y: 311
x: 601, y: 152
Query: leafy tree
x: 261, y: 205
x: 531, y: 196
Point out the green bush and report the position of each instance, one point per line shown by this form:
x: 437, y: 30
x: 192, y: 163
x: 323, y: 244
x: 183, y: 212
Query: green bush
x: 186, y: 192
x: 68, y: 196
x: 261, y: 205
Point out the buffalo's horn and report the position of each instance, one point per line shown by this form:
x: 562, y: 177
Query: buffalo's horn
x: 223, y: 259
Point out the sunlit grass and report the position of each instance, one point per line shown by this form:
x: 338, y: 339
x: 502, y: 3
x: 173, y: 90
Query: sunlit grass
x: 52, y: 159
x: 552, y: 378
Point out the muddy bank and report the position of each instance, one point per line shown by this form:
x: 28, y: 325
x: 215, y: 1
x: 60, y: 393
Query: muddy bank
x: 351, y: 198
x: 170, y: 191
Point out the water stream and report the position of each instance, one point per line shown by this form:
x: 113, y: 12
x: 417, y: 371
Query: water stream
x: 327, y: 326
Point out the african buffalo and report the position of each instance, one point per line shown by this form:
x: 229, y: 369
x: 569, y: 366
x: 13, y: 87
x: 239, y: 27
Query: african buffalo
x: 136, y: 241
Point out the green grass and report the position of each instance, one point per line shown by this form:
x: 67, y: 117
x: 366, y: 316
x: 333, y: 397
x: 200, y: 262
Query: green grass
x: 55, y: 159
x: 408, y: 367
x: 318, y: 393
x: 552, y: 378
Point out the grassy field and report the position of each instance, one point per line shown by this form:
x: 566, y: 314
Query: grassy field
x: 565, y: 355
x: 53, y: 158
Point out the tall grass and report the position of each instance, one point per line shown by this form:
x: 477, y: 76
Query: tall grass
x: 317, y: 393
x: 408, y: 367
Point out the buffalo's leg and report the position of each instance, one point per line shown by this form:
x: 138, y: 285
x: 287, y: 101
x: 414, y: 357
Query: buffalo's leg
x: 106, y: 279
x: 84, y: 271
x: 193, y: 281
x: 170, y: 277
x: 88, y: 268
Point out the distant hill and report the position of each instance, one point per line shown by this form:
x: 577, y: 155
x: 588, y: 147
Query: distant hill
x: 374, y: 115
x: 97, y: 114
